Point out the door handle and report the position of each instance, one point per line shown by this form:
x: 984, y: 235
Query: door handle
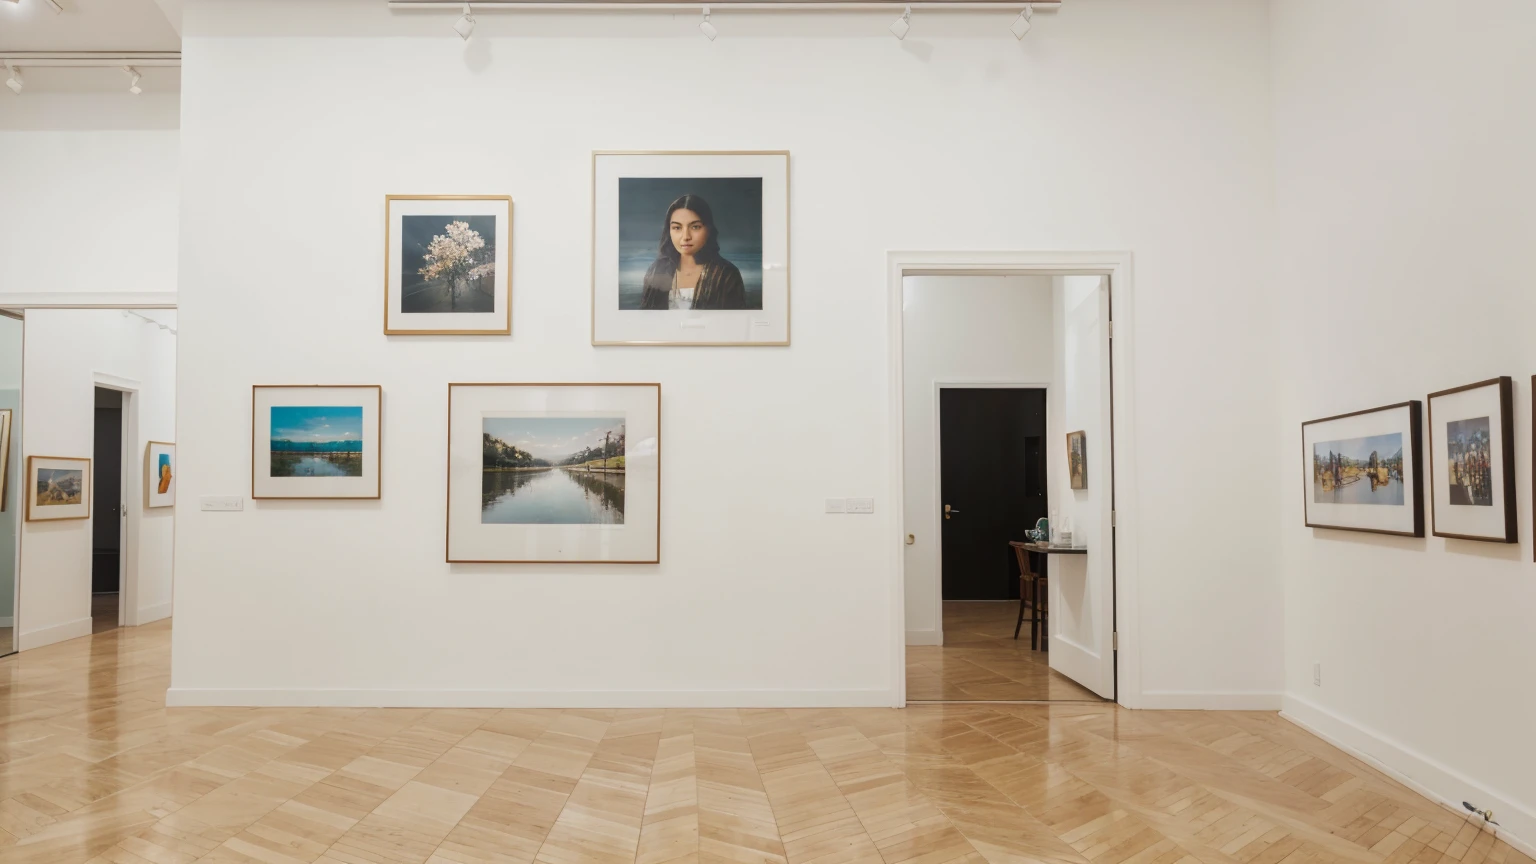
x: 949, y: 510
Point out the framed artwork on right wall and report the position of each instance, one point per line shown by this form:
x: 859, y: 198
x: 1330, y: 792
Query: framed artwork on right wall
x: 1472, y: 461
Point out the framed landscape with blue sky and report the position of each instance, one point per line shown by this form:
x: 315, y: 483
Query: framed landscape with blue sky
x: 313, y: 441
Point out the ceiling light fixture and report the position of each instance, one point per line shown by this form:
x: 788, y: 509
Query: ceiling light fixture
x: 133, y: 85
x: 465, y: 26
x: 707, y: 28
x: 14, y: 80
x: 1021, y: 24
x: 903, y: 24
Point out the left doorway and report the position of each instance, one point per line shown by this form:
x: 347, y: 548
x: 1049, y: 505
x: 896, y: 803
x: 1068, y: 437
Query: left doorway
x: 107, y: 512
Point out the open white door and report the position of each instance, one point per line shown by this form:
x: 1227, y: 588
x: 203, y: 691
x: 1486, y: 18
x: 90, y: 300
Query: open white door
x: 1082, y: 586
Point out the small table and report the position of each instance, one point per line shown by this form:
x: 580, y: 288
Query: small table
x: 1034, y: 588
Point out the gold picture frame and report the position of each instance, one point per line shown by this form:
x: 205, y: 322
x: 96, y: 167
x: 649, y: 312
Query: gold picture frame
x: 150, y: 480
x: 377, y: 476
x: 502, y: 280
x: 702, y: 343
x: 5, y: 458
x: 651, y: 474
x: 1077, y: 459
x: 77, y: 510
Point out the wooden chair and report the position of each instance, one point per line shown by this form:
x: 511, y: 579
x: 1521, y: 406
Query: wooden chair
x: 1033, y: 591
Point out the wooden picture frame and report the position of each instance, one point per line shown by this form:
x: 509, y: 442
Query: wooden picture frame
x: 5, y: 458
x: 401, y: 318
x: 1325, y: 506
x: 765, y: 325
x: 367, y: 485
x: 75, y: 510
x: 1487, y: 408
x: 153, y: 498
x: 529, y: 537
x: 1077, y: 459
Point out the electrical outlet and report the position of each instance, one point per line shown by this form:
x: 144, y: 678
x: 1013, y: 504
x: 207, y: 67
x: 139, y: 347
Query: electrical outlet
x: 223, y: 503
x: 861, y: 505
x: 1317, y: 674
x: 837, y: 505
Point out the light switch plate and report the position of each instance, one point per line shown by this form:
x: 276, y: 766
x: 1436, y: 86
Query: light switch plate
x: 861, y: 505
x: 222, y: 503
x: 836, y: 505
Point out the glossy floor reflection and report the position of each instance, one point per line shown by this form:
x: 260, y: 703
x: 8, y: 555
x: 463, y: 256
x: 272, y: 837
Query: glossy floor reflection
x: 981, y: 661
x: 96, y: 769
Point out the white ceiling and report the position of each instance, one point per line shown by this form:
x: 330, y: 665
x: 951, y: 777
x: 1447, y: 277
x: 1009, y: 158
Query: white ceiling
x: 90, y: 25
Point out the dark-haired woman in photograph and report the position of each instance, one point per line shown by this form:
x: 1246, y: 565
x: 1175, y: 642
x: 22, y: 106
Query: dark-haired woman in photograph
x: 688, y: 272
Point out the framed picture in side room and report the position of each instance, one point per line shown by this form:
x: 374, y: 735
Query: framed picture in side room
x: 690, y: 248
x: 1361, y: 471
x: 58, y: 488
x: 5, y: 457
x: 447, y: 265
x: 1472, y: 461
x: 316, y: 441
x: 554, y: 473
x: 160, y: 470
x: 1077, y: 459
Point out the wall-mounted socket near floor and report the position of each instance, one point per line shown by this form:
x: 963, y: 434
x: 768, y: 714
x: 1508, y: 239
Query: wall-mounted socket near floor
x: 837, y: 505
x: 221, y: 503
x: 861, y: 505
x: 1317, y: 674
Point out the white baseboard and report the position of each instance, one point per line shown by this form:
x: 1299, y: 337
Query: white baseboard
x: 57, y: 633
x: 924, y: 637
x: 1207, y: 700
x: 1439, y: 783
x: 154, y: 613
x: 340, y: 698
x: 7, y: 621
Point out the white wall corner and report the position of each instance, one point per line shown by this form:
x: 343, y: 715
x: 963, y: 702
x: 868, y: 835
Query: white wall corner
x: 57, y: 633
x: 1206, y: 700
x: 924, y: 637
x: 1439, y: 783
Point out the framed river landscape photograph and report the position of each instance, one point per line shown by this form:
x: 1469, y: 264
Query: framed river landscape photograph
x: 447, y: 265
x: 690, y: 248
x: 315, y: 441
x: 1362, y: 471
x: 554, y: 473
x: 1472, y: 461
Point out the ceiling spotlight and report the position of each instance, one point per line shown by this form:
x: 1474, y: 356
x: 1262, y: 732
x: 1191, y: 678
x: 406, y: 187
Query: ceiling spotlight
x: 133, y: 85
x: 902, y: 24
x: 1021, y: 24
x: 465, y: 26
x: 707, y: 28
x: 14, y: 80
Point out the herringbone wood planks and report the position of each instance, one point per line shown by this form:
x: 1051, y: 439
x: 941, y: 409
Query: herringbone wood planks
x: 94, y: 768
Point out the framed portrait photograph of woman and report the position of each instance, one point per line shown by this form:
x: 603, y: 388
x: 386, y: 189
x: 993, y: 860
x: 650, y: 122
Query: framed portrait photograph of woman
x: 447, y: 265
x: 690, y: 248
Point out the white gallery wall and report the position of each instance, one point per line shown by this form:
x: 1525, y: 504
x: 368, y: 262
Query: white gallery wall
x: 68, y: 353
x: 958, y: 330
x: 86, y: 211
x: 1403, y: 191
x: 1123, y: 126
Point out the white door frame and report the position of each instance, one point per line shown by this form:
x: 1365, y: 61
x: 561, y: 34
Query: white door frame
x: 938, y: 479
x: 1118, y: 267
x: 130, y: 490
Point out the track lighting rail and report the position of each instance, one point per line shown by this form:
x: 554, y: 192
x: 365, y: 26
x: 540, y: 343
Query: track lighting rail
x: 89, y: 59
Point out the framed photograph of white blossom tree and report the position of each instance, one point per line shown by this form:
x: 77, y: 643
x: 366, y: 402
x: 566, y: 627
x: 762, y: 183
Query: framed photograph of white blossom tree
x: 447, y: 265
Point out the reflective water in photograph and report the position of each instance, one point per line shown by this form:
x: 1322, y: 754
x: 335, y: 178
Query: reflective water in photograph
x: 317, y: 464
x: 552, y: 496
x: 1359, y: 470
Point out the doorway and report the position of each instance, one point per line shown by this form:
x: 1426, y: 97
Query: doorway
x: 107, y: 512
x: 971, y: 330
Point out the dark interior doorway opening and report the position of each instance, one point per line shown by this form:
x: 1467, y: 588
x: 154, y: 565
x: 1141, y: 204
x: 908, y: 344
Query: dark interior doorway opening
x: 107, y: 511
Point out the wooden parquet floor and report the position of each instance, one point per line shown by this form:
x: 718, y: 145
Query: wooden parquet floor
x: 981, y: 661
x: 94, y: 768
